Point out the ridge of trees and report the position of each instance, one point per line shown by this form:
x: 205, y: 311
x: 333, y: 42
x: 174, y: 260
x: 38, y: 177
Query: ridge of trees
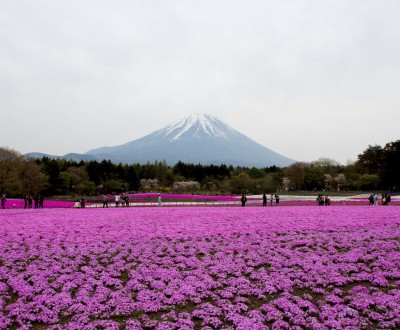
x: 376, y: 168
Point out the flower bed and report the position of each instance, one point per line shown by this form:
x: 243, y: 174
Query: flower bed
x: 150, y: 199
x: 191, y: 268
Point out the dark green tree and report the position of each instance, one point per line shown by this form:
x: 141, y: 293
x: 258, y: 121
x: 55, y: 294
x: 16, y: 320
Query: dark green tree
x: 10, y: 164
x: 391, y: 169
x: 371, y: 161
x: 132, y: 178
x: 51, y: 167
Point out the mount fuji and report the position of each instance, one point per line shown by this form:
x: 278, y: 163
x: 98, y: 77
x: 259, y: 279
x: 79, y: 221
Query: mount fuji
x: 198, y: 138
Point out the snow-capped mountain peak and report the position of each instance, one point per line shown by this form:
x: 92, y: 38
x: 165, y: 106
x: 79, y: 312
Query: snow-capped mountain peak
x: 197, y: 126
x: 197, y: 138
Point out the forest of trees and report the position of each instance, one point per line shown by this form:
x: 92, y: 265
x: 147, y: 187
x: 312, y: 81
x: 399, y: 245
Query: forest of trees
x: 376, y: 169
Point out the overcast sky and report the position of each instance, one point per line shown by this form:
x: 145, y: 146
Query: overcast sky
x: 307, y: 79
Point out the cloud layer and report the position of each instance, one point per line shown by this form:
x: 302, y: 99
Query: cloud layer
x: 307, y: 79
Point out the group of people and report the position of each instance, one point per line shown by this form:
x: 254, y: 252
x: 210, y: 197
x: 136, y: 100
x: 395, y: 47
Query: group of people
x: 120, y: 200
x: 374, y: 199
x: 323, y: 200
x: 30, y: 200
x: 273, y: 197
x: 37, y: 200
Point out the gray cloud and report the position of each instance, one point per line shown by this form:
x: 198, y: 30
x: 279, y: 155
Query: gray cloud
x: 307, y: 79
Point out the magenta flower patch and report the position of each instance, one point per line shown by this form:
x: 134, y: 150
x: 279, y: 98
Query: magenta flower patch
x: 191, y: 268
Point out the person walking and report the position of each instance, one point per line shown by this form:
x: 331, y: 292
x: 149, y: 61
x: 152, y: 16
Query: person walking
x: 41, y: 201
x: 30, y: 198
x: 376, y: 199
x: 159, y: 201
x: 3, y: 201
x: 383, y: 199
x: 320, y: 200
x: 277, y: 199
x: 243, y: 199
x: 36, y: 200
x: 25, y: 201
x: 387, y: 199
x: 82, y: 202
x: 105, y: 201
x: 272, y: 199
x: 371, y: 199
x: 126, y: 199
x: 264, y: 200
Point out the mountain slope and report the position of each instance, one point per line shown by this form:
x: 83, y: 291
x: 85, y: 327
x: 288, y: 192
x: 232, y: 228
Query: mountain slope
x: 198, y: 138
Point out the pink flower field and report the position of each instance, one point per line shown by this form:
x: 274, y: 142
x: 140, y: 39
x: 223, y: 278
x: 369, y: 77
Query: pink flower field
x: 150, y: 199
x: 293, y: 267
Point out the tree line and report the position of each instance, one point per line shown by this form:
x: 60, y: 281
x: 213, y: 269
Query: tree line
x: 376, y: 168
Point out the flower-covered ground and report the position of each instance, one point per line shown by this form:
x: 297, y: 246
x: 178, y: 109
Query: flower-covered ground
x: 313, y: 267
x: 150, y: 199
